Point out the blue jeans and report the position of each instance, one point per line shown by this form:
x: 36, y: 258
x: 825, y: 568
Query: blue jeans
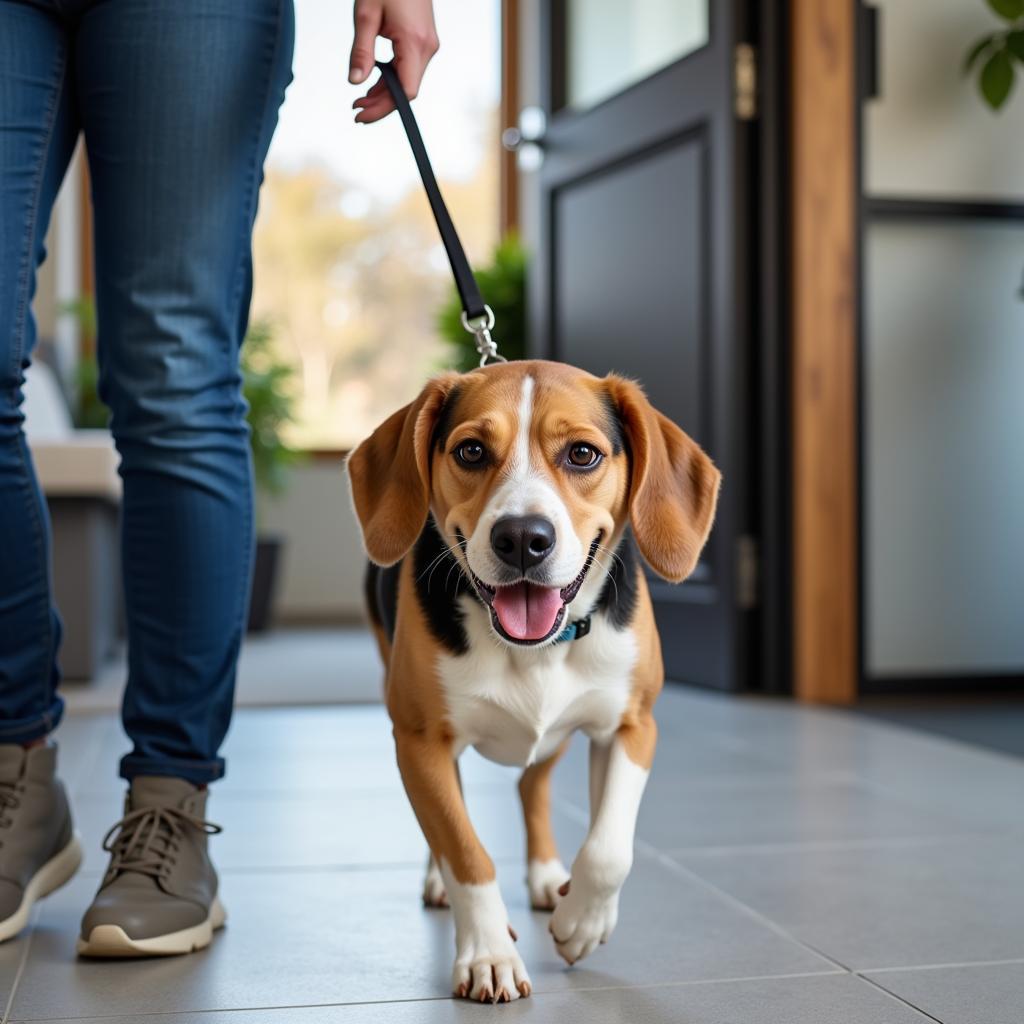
x: 177, y: 100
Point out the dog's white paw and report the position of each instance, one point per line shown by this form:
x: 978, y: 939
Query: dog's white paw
x: 434, y: 893
x: 490, y: 971
x: 487, y: 966
x: 584, y: 918
x: 544, y: 878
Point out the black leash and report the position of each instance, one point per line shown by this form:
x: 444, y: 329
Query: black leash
x: 477, y: 317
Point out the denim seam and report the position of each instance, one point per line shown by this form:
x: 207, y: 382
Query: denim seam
x: 245, y: 583
x: 18, y: 355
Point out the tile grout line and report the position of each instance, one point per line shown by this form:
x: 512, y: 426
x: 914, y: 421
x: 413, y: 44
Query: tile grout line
x: 939, y: 967
x: 312, y: 869
x: 666, y: 861
x: 756, y: 915
x: 832, y: 845
x: 22, y: 964
x: 745, y: 979
x: 899, y: 999
x: 738, y: 904
x: 810, y: 845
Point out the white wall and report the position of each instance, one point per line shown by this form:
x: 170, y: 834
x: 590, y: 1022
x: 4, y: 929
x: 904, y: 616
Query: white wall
x: 930, y: 134
x: 324, y: 560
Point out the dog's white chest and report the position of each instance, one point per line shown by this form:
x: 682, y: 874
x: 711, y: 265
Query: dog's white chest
x: 515, y: 706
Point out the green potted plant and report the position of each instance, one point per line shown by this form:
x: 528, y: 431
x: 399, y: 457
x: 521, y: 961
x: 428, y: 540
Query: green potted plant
x: 267, y: 384
x: 87, y: 410
x: 503, y: 286
x: 998, y: 57
x: 1002, y: 51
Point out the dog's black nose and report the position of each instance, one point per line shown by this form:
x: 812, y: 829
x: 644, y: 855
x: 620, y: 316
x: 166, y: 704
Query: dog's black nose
x: 523, y: 541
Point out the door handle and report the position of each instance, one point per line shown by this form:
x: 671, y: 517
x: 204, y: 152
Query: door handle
x: 526, y: 139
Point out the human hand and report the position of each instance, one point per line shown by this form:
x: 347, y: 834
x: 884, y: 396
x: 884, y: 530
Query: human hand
x: 409, y: 24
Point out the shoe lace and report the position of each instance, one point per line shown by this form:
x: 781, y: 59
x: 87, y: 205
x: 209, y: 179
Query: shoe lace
x: 10, y: 791
x: 147, y: 840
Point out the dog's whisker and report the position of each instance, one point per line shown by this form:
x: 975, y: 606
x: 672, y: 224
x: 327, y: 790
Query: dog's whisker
x: 447, y: 553
x: 433, y: 562
x: 608, y: 572
x: 614, y: 554
x: 455, y: 565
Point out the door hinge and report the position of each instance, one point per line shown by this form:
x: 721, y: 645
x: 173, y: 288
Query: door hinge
x: 747, y: 566
x: 745, y: 81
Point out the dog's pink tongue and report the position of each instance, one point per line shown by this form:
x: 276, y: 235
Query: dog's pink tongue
x: 526, y: 611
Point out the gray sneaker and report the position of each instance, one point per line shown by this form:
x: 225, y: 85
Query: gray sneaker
x: 159, y: 895
x: 39, y: 852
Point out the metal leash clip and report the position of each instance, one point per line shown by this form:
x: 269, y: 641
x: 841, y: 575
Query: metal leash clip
x: 480, y: 328
x: 469, y: 292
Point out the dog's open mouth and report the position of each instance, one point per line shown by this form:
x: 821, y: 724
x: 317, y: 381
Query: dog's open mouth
x: 528, y: 613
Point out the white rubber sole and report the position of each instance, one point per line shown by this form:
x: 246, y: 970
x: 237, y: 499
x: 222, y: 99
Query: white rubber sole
x: 110, y: 940
x: 57, y: 871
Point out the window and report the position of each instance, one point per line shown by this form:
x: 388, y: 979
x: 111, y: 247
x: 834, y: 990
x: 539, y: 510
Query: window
x: 349, y: 269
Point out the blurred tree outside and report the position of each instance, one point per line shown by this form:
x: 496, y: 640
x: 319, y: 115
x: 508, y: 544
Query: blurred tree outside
x: 503, y: 284
x: 352, y: 287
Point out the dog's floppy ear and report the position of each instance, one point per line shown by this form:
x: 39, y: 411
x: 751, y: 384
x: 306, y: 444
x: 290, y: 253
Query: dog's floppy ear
x: 673, y: 486
x: 390, y: 474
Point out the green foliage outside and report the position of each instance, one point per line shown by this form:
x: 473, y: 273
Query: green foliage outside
x: 503, y: 286
x: 267, y: 383
x: 999, y: 56
x: 87, y: 411
x: 1003, y: 52
x: 270, y: 391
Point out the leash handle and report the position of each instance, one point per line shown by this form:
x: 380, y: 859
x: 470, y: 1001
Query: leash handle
x: 474, y: 308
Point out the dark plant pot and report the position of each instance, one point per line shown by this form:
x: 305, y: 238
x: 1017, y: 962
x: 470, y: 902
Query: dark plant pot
x: 266, y: 571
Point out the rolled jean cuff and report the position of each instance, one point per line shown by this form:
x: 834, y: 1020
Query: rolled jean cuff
x: 25, y: 730
x: 199, y: 773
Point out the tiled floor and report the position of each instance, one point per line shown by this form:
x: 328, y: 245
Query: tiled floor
x: 792, y: 866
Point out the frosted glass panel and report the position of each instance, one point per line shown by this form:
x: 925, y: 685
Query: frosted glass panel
x: 929, y: 134
x: 944, y: 435
x: 611, y: 44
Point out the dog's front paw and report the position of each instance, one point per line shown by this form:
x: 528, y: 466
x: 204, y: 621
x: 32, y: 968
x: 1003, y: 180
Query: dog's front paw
x: 585, y: 916
x: 544, y: 878
x: 490, y: 970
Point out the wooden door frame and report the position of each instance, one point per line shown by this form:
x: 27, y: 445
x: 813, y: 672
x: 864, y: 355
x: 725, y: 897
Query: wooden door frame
x: 824, y: 360
x: 508, y: 115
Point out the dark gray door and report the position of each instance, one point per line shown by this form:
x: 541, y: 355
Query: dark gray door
x: 640, y: 242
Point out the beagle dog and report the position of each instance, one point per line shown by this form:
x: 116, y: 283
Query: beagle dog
x: 503, y: 512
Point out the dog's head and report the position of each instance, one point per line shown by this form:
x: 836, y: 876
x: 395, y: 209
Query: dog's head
x: 532, y: 471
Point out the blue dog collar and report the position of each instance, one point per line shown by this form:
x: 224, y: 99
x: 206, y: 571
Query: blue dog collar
x: 575, y: 630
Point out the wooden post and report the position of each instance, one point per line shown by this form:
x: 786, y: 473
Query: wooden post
x: 824, y: 363
x: 508, y: 113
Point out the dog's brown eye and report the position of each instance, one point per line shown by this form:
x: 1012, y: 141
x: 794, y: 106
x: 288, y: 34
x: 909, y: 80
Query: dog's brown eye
x: 471, y: 453
x: 583, y: 456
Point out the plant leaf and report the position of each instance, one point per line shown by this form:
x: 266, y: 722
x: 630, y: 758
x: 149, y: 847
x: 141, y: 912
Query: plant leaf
x: 976, y: 51
x: 1015, y: 44
x: 997, y: 79
x: 1008, y: 9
